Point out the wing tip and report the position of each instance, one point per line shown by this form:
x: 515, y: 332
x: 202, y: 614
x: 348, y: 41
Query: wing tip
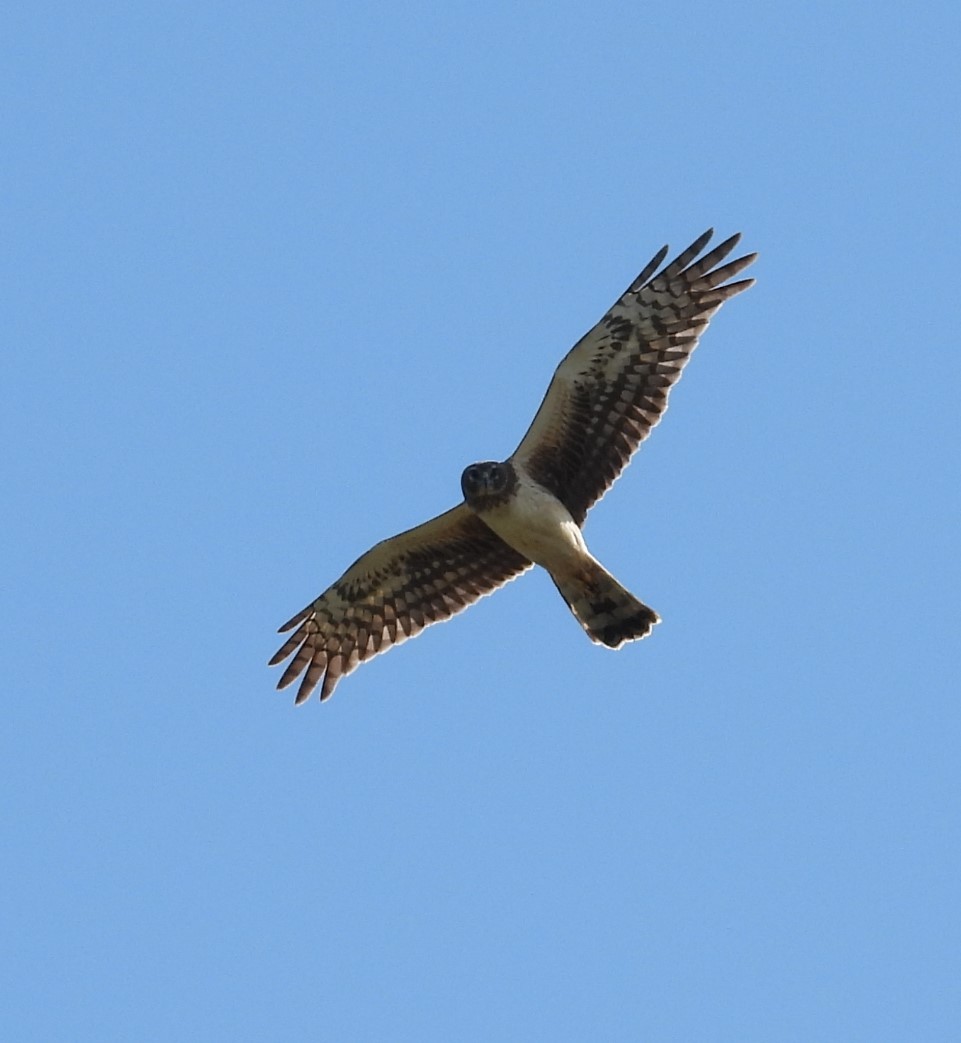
x: 701, y: 241
x: 734, y: 288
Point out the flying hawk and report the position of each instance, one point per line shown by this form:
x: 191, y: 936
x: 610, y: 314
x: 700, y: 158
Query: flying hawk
x: 606, y: 395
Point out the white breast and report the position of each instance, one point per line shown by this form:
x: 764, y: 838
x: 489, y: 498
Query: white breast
x: 539, y: 526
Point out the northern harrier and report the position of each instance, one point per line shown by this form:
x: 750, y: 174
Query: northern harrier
x: 606, y: 395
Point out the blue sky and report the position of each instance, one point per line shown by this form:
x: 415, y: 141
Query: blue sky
x: 272, y: 276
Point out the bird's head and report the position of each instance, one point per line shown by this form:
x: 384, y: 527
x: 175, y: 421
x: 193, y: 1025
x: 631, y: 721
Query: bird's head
x: 483, y: 482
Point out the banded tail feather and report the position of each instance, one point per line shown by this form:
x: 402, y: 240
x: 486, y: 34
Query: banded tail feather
x: 609, y: 614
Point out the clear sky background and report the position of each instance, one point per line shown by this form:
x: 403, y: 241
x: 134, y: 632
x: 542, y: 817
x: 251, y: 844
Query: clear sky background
x: 273, y: 274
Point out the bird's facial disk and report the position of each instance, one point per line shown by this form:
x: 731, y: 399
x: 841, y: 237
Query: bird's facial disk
x: 480, y: 480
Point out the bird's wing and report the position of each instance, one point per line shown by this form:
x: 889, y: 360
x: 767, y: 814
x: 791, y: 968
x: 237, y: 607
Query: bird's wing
x: 392, y: 592
x: 612, y: 386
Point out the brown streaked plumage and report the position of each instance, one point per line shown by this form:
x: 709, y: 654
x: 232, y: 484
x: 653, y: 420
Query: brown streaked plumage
x: 604, y: 399
x: 422, y: 576
x: 611, y: 389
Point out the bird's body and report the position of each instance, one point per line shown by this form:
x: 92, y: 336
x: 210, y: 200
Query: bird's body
x: 533, y: 522
x: 606, y: 395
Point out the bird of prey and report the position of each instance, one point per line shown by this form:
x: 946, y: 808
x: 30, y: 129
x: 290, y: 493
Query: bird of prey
x: 606, y: 395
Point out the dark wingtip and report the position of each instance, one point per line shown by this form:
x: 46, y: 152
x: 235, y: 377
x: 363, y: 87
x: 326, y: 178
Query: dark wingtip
x: 728, y: 245
x: 702, y: 240
x: 732, y: 289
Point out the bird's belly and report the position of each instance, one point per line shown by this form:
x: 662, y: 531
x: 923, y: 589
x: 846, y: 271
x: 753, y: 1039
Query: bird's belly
x: 539, y: 526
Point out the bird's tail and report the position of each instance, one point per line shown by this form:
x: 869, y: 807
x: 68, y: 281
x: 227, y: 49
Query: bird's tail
x: 608, y: 613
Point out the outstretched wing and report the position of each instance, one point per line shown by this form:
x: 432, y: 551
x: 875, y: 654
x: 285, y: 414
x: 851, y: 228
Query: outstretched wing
x: 612, y: 386
x: 391, y: 593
